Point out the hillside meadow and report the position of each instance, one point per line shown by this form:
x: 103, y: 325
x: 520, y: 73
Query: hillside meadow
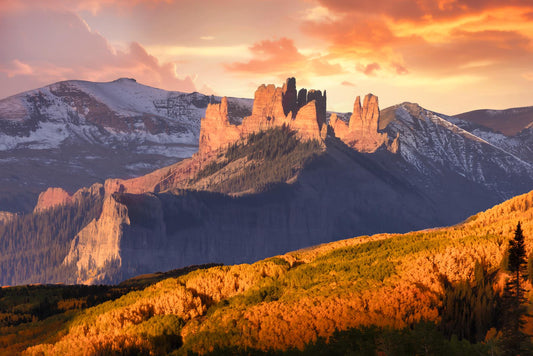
x: 381, y: 293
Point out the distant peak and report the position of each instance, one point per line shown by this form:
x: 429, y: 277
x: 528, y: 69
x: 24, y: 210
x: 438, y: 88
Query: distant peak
x: 120, y: 80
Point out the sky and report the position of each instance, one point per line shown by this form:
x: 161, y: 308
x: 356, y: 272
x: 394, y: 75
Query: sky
x: 450, y: 56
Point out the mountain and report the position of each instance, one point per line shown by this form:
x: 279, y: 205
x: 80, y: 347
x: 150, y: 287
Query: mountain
x: 279, y: 179
x: 508, y: 122
x: 386, y: 293
x: 439, y: 145
x: 75, y: 133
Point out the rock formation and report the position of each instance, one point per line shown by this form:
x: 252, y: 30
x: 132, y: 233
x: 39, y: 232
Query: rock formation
x: 361, y: 132
x: 52, y: 197
x: 303, y: 111
x: 98, y: 243
x: 216, y: 129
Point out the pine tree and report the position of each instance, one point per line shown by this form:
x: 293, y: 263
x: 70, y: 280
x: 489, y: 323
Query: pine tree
x: 514, y: 340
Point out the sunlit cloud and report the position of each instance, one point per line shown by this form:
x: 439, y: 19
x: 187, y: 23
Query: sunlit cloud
x: 485, y: 45
x: 281, y: 57
x: 369, y: 69
x: 65, y: 47
x: 528, y: 76
x: 199, y: 51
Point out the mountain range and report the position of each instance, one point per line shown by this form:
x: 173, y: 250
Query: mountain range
x: 278, y: 176
x: 75, y: 133
x: 435, y: 292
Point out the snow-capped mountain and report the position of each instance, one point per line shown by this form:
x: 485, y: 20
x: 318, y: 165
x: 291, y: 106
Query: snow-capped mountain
x: 437, y: 144
x: 399, y: 169
x: 74, y: 133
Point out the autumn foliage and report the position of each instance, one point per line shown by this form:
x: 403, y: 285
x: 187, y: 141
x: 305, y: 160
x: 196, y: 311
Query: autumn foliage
x: 388, y: 281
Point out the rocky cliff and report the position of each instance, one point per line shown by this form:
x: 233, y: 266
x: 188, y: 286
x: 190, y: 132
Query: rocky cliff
x: 98, y: 244
x: 54, y: 196
x: 304, y: 112
x: 361, y: 132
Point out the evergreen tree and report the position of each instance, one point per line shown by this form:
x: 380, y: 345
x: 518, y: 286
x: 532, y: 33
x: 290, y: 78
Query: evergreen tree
x: 514, y: 340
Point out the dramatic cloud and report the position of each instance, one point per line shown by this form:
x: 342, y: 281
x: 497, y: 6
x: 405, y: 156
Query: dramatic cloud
x: 421, y: 10
x: 369, y: 69
x: 348, y: 84
x: 280, y: 58
x: 423, y: 50
x: 403, y: 36
x: 44, y: 46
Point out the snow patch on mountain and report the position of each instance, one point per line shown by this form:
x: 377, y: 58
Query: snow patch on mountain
x: 436, y: 143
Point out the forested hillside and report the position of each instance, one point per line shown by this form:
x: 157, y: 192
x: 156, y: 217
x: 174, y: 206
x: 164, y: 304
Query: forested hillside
x: 363, y: 294
x: 34, y: 245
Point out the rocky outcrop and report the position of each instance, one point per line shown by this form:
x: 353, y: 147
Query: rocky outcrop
x: 303, y: 111
x: 306, y: 123
x: 216, y: 129
x: 52, y: 197
x: 98, y: 243
x: 361, y: 132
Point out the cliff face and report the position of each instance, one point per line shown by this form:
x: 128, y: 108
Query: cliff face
x: 342, y: 194
x: 216, y: 129
x: 53, y: 197
x: 361, y: 132
x: 98, y: 243
x: 304, y: 112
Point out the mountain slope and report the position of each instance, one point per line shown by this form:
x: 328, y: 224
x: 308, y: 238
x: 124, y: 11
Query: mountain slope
x: 509, y: 122
x: 437, y: 144
x: 280, y: 179
x: 390, y: 281
x: 72, y: 134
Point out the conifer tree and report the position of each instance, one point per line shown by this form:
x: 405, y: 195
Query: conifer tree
x: 514, y: 339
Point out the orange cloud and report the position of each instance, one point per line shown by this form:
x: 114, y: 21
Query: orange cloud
x: 281, y: 57
x: 421, y: 10
x: 64, y: 47
x: 434, y: 37
x: 528, y: 76
x: 347, y: 83
x: 399, y: 68
x: 369, y: 69
x: 466, y: 51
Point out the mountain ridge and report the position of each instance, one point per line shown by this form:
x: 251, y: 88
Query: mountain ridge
x: 71, y: 134
x: 293, y: 176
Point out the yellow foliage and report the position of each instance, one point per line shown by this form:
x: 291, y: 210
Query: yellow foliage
x: 291, y: 300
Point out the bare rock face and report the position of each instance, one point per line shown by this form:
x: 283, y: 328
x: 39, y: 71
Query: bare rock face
x: 52, y: 197
x: 339, y: 127
x: 303, y: 111
x: 216, y: 130
x: 302, y: 98
x: 361, y: 133
x: 306, y: 123
x: 99, y: 242
x: 289, y: 97
x: 320, y: 101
